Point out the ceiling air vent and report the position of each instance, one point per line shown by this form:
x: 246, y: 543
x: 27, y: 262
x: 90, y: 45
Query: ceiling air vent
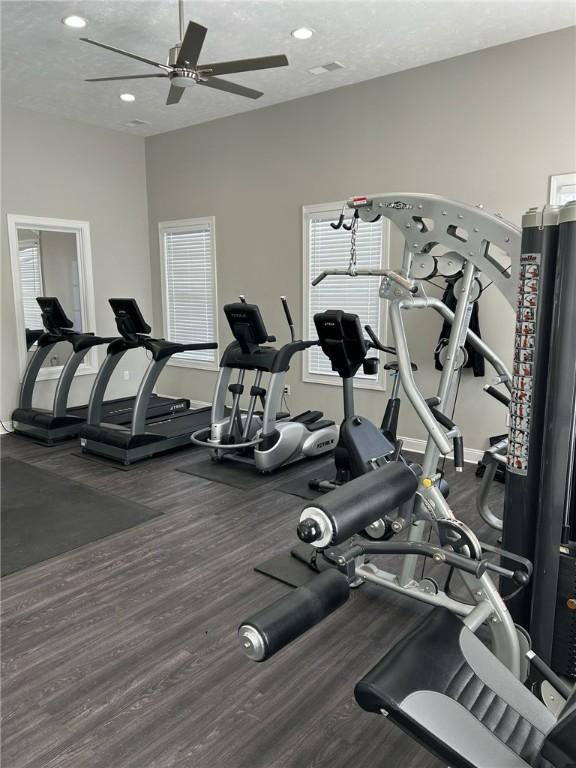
x: 330, y: 67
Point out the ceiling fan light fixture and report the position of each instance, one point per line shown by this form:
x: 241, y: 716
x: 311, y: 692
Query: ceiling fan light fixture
x: 302, y: 33
x: 127, y: 97
x: 76, y: 22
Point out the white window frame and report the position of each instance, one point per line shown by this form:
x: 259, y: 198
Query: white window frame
x: 556, y: 183
x: 308, y: 212
x: 185, y: 225
x: 81, y: 229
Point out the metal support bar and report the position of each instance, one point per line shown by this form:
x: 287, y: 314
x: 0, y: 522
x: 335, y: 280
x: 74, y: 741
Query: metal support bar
x: 103, y: 376
x: 482, y: 505
x: 31, y: 375
x: 273, y: 400
x: 155, y: 368
x: 65, y: 382
x: 251, y: 407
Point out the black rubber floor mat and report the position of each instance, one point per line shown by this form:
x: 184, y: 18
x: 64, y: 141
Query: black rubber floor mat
x: 44, y: 515
x: 246, y: 477
x: 242, y: 476
x: 286, y: 569
x: 299, y: 486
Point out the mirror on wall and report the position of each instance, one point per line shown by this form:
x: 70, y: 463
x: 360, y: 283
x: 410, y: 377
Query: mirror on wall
x: 51, y: 258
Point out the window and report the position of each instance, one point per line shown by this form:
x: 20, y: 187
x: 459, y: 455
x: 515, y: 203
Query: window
x: 30, y: 280
x: 562, y: 188
x: 328, y: 248
x: 189, y: 288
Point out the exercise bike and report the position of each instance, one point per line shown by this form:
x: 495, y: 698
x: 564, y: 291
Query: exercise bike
x: 267, y: 438
x: 362, y: 446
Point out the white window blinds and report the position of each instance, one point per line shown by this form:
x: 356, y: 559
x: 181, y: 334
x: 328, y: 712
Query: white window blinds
x: 30, y: 282
x: 329, y: 248
x: 190, y: 286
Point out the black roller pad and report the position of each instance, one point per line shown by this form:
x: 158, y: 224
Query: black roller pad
x: 298, y: 611
x: 365, y: 499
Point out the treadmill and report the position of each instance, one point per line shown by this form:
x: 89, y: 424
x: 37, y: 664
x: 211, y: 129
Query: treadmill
x: 140, y: 439
x: 63, y: 421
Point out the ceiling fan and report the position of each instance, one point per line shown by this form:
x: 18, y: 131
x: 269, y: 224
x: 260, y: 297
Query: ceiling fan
x: 182, y: 67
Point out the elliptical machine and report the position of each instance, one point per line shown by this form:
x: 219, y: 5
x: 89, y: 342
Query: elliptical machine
x: 266, y: 438
x: 362, y: 446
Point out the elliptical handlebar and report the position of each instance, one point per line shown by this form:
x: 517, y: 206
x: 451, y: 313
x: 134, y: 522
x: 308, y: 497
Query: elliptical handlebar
x: 288, y: 316
x: 376, y: 343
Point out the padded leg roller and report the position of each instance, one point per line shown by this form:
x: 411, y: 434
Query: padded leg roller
x: 274, y: 627
x: 356, y: 505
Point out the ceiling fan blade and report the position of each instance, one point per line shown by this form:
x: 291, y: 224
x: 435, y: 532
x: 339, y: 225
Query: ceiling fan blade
x: 119, y: 77
x: 174, y: 94
x: 243, y: 65
x: 226, y: 85
x: 191, y: 45
x: 125, y: 53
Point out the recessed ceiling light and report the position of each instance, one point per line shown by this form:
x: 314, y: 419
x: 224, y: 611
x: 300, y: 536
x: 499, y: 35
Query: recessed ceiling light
x: 76, y: 22
x: 127, y: 97
x: 302, y: 33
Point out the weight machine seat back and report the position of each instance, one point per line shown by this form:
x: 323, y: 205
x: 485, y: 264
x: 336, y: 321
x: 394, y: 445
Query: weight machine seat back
x: 444, y: 687
x: 342, y: 340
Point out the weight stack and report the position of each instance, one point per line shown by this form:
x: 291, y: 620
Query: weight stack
x: 553, y: 623
x: 535, y: 304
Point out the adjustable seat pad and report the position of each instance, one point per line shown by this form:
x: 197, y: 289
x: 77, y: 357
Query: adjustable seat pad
x: 444, y: 687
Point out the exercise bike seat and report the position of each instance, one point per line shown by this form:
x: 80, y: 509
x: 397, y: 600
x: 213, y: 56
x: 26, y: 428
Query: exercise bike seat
x: 394, y: 366
x: 446, y: 689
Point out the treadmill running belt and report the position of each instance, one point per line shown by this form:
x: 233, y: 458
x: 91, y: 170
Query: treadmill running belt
x: 119, y: 411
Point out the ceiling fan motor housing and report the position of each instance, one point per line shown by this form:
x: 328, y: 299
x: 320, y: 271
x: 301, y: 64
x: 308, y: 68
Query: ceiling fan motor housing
x: 173, y: 56
x: 183, y: 78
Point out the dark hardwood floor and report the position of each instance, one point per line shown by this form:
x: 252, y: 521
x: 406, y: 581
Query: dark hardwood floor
x: 123, y: 654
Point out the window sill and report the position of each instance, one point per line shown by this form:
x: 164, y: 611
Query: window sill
x: 193, y: 364
x: 336, y: 381
x: 48, y: 374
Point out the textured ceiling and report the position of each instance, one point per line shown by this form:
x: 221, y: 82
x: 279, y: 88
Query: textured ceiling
x: 44, y: 62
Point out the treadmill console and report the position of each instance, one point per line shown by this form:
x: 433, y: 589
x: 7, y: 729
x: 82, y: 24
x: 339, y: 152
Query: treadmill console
x: 129, y: 319
x: 247, y: 325
x: 54, y: 318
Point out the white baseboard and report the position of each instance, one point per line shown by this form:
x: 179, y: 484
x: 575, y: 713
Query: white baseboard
x: 6, y: 427
x: 471, y: 455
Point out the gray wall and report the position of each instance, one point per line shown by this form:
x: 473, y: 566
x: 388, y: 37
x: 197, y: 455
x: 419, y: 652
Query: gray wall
x: 63, y: 169
x: 488, y: 128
